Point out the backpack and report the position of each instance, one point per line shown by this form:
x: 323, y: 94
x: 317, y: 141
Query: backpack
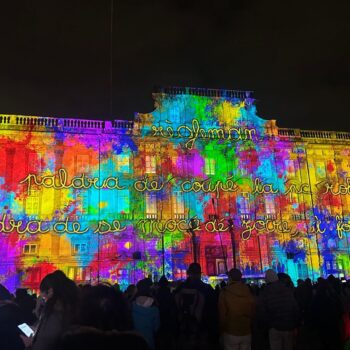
x: 190, y: 305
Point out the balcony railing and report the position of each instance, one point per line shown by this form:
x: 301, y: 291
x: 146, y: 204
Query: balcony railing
x: 313, y: 134
x: 63, y: 124
x: 105, y: 126
x: 174, y: 90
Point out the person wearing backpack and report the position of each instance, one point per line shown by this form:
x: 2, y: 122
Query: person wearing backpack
x: 196, y: 311
x: 145, y: 312
x: 236, y: 312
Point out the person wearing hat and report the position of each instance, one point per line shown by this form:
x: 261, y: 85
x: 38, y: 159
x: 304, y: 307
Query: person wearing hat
x: 278, y: 310
x: 236, y: 312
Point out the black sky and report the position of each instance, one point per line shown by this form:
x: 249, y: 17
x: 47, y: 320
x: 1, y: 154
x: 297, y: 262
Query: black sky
x: 294, y: 55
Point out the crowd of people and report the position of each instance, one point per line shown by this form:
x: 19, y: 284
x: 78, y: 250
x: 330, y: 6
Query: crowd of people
x: 186, y: 314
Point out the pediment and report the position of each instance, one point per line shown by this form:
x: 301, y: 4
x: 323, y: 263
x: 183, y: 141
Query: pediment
x: 185, y: 112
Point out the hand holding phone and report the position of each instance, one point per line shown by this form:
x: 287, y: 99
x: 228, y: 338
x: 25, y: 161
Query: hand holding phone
x: 26, y: 329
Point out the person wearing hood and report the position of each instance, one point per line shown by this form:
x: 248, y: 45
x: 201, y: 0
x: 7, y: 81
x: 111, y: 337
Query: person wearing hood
x: 236, y: 311
x: 145, y: 312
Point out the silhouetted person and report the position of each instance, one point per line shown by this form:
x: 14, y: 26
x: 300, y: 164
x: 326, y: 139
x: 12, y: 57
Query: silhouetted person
x: 196, y: 305
x: 326, y: 314
x: 26, y: 303
x: 236, y: 312
x: 167, y: 312
x: 130, y: 293
x: 285, y: 279
x: 278, y: 310
x: 61, y: 299
x: 10, y: 318
x: 145, y: 313
x: 303, y: 295
x: 105, y: 308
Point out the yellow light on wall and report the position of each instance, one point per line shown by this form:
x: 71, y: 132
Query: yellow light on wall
x: 127, y: 245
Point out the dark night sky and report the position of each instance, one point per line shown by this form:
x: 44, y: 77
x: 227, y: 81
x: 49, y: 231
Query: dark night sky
x: 294, y: 55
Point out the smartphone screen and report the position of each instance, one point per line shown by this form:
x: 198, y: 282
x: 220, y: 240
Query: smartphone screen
x: 26, y: 329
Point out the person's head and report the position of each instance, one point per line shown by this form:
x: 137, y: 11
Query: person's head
x: 144, y: 287
x: 235, y: 275
x: 5, y: 295
x: 194, y: 271
x: 104, y: 308
x: 335, y: 283
x: 285, y: 279
x: 322, y: 285
x: 130, y: 291
x: 53, y: 284
x: 271, y: 276
x: 21, y: 293
x: 55, y: 287
x: 163, y: 282
x: 308, y: 282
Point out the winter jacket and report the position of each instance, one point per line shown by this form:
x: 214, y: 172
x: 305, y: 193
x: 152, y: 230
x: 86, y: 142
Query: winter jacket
x: 145, y: 318
x: 49, y: 331
x: 278, y: 308
x: 10, y: 318
x: 51, y: 327
x: 236, y: 309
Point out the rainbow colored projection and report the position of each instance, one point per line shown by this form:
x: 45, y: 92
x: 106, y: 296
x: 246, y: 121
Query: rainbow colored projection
x: 202, y: 178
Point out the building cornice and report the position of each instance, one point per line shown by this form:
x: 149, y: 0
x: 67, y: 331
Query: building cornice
x: 75, y: 125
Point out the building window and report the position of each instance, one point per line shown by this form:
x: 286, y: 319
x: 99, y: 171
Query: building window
x: 79, y: 248
x: 83, y: 197
x: 79, y: 273
x: 151, y: 206
x: 243, y: 203
x: 150, y: 164
x: 108, y: 246
x: 244, y: 167
x: 178, y: 205
x: 33, y: 203
x: 220, y: 267
x: 290, y: 169
x: 209, y: 166
x: 82, y: 163
x: 302, y: 271
x: 33, y: 275
x: 293, y: 199
x: 270, y: 208
x: 123, y: 163
x: 30, y: 249
x: 123, y: 201
x: 242, y: 172
x: 177, y: 163
x: 118, y: 202
x: 34, y: 163
x: 250, y: 243
x: 320, y: 170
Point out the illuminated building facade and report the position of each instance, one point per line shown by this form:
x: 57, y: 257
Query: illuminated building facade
x: 202, y: 177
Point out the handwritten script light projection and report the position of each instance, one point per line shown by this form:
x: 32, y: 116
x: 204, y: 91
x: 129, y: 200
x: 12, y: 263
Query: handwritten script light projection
x: 193, y: 132
x: 60, y: 181
x: 202, y: 175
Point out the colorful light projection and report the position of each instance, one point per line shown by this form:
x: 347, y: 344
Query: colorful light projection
x: 200, y: 178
